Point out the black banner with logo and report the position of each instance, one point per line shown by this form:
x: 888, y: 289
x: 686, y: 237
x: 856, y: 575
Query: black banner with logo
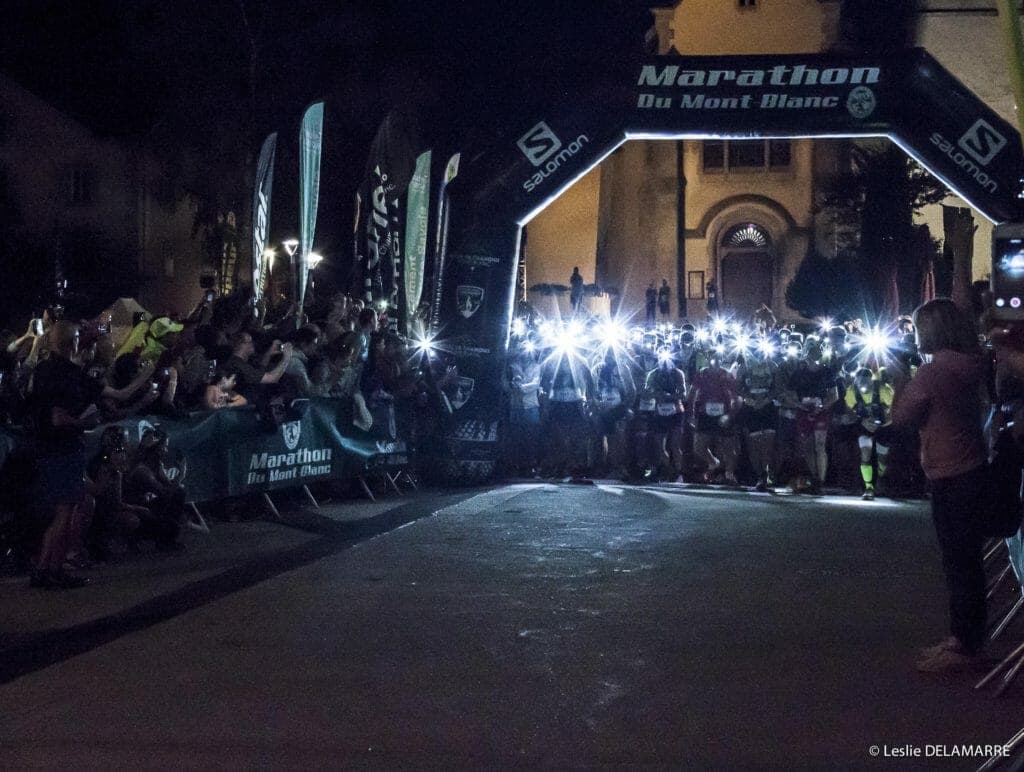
x: 909, y: 98
x: 261, y: 214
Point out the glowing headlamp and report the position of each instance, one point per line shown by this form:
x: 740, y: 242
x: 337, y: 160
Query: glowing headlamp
x: 425, y: 345
x: 610, y: 334
x: 878, y: 343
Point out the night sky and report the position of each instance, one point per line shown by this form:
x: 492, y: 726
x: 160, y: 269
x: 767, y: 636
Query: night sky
x: 175, y: 75
x: 125, y: 67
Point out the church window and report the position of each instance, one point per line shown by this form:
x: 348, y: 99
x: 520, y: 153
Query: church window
x: 746, y: 155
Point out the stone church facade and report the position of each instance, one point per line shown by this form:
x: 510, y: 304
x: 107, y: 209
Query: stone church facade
x: 741, y: 214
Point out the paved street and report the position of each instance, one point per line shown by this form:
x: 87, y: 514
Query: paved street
x: 529, y: 625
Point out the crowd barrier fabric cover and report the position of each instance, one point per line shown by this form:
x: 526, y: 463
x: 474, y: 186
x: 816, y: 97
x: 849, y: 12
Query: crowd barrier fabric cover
x: 232, y: 452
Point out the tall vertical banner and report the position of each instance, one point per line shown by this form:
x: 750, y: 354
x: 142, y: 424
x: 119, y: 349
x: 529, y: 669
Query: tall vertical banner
x: 261, y: 214
x: 417, y: 212
x: 310, y: 140
x: 451, y: 171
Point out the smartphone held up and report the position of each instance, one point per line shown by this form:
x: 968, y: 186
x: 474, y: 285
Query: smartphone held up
x: 1008, y: 272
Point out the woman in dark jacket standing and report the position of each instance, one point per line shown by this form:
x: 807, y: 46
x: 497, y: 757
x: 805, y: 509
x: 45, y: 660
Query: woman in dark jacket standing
x: 944, y: 403
x: 64, y: 400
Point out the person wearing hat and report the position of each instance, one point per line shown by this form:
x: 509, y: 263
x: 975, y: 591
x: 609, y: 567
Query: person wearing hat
x: 162, y: 336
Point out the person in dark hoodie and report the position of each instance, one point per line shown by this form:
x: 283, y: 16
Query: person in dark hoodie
x: 943, y: 402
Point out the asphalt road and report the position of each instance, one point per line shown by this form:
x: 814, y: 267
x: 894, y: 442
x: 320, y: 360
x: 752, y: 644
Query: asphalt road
x: 532, y: 625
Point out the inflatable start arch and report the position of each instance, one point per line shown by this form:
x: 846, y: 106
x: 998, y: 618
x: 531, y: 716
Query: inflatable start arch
x: 911, y: 100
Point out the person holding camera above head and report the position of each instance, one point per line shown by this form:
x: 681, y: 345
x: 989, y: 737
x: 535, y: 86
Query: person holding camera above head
x: 63, y: 400
x: 249, y: 377
x: 159, y: 397
x: 943, y: 402
x: 220, y: 391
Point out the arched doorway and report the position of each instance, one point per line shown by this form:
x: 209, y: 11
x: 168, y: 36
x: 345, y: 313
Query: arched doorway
x: 747, y: 273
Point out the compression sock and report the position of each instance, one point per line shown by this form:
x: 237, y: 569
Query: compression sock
x: 867, y: 474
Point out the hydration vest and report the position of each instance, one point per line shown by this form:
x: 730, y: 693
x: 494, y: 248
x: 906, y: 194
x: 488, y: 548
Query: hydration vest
x: 874, y: 410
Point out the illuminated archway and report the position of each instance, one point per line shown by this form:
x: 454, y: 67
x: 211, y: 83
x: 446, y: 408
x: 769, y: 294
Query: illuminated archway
x: 909, y: 99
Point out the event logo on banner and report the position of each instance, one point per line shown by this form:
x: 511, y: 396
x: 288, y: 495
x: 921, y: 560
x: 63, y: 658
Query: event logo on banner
x: 545, y: 150
x: 310, y: 143
x: 383, y: 243
x: 292, y: 432
x: 861, y: 102
x: 463, y: 391
x: 469, y: 299
x: 539, y: 143
x: 261, y: 214
x: 416, y: 217
x: 815, y: 88
x: 982, y: 142
x: 966, y: 164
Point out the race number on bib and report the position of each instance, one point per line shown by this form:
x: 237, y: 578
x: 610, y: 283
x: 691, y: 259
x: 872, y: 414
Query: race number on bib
x: 666, y: 408
x: 647, y: 405
x: 714, y: 409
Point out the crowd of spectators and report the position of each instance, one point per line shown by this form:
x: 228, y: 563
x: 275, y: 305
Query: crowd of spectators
x: 61, y: 378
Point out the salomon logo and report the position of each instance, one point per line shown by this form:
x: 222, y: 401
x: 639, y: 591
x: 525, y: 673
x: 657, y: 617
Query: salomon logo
x: 982, y: 142
x: 539, y: 143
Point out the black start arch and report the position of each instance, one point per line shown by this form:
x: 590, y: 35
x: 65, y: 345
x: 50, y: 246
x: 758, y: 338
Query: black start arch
x: 910, y: 99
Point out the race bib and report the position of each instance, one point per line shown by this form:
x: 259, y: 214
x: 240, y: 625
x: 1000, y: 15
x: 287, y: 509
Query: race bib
x: 647, y: 405
x: 714, y: 409
x: 610, y: 399
x: 666, y: 408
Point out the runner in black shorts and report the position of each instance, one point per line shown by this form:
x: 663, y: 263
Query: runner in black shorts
x: 759, y: 415
x: 666, y: 385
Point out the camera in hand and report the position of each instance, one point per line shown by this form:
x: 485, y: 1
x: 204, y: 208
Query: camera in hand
x: 1008, y: 271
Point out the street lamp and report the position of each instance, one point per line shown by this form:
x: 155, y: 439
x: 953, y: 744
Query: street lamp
x: 291, y: 246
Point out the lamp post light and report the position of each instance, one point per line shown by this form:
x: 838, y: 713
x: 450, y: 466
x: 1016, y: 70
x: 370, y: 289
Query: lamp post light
x: 313, y: 259
x: 291, y: 246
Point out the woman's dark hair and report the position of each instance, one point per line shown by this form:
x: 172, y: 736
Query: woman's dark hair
x: 216, y: 374
x: 114, y: 438
x: 126, y: 367
x: 206, y: 336
x: 343, y: 346
x: 941, y: 326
